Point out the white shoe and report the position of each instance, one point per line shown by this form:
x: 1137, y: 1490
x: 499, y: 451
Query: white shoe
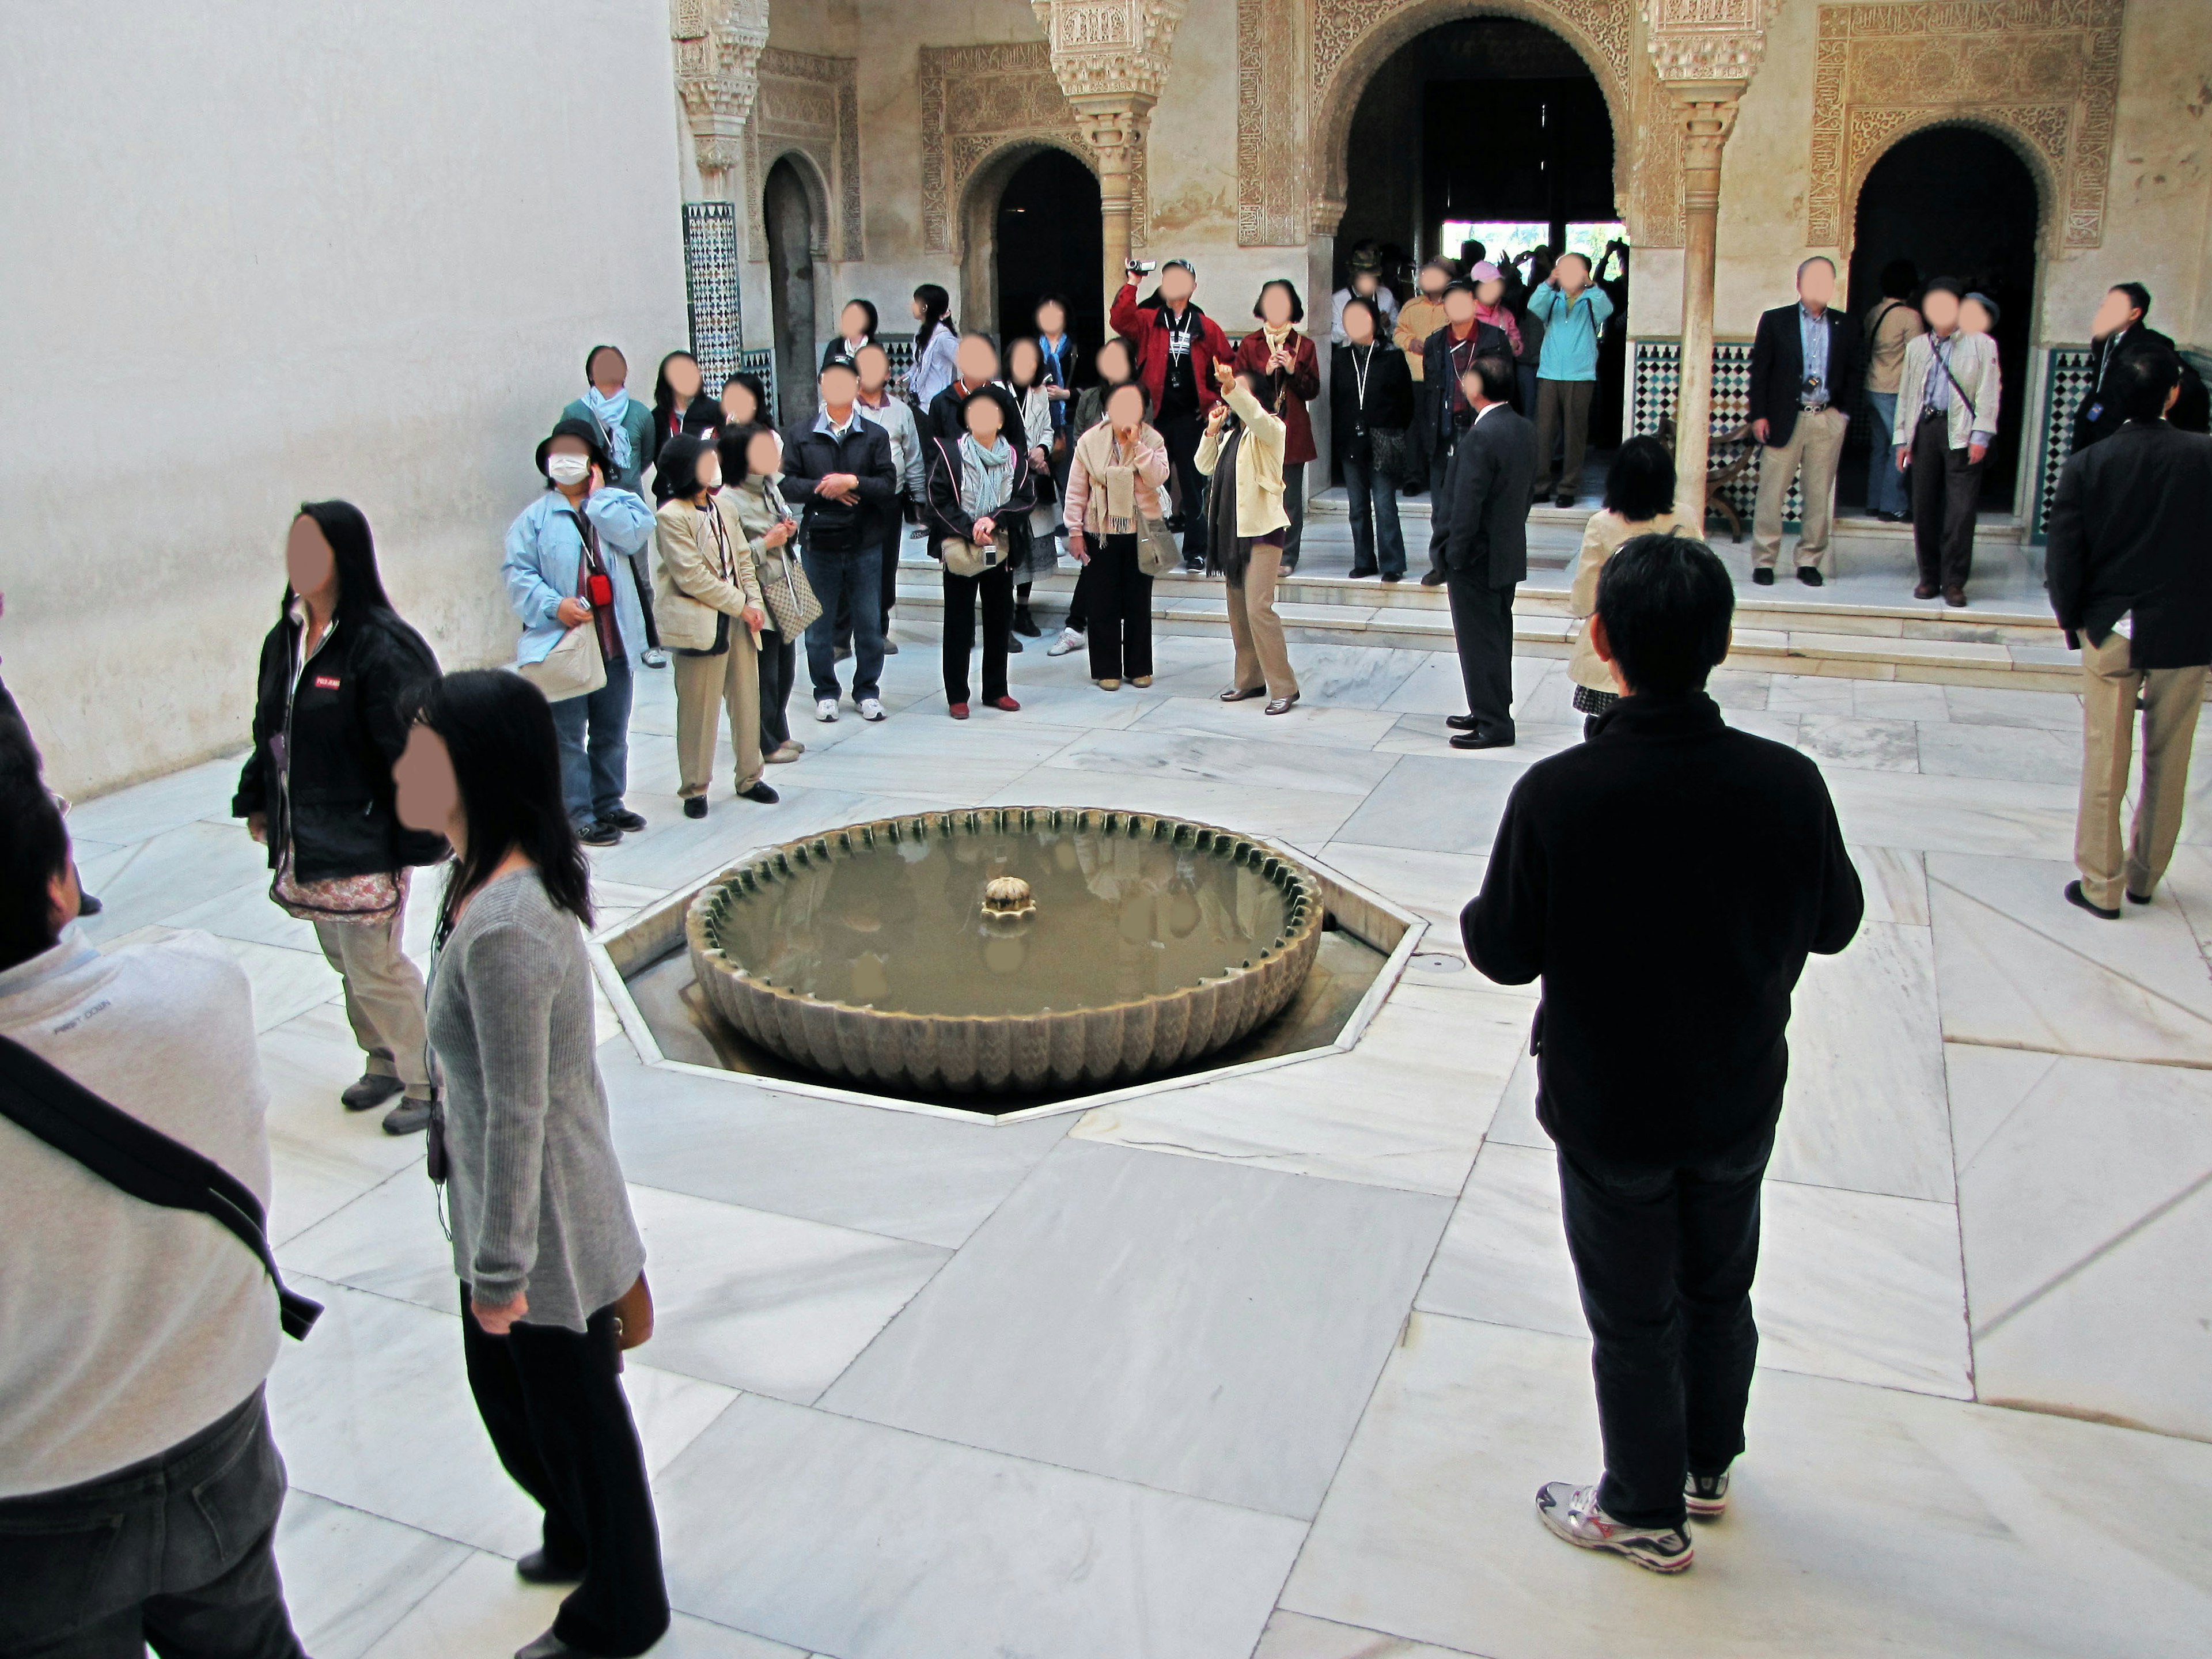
x: 653, y: 656
x: 825, y: 709
x: 871, y: 709
x: 1069, y: 640
x: 1572, y: 1513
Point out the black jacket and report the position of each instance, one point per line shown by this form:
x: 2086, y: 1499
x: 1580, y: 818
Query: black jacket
x: 346, y: 724
x: 1490, y: 341
x: 2098, y: 415
x: 943, y: 515
x: 941, y: 431
x: 810, y: 455
x: 2131, y: 530
x: 1666, y: 880
x: 1479, y: 517
x: 1389, y: 402
x: 1777, y: 369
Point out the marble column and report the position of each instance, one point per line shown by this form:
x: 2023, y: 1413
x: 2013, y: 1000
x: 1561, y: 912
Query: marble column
x: 1705, y: 131
x: 718, y: 48
x: 1112, y: 128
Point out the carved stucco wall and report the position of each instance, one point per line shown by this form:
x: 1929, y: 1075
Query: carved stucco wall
x: 1301, y: 65
x: 1007, y: 93
x: 809, y: 105
x: 2043, y: 74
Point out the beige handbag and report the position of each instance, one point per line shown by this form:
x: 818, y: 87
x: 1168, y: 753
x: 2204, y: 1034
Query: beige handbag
x: 967, y: 559
x: 1157, y: 552
x: 573, y: 668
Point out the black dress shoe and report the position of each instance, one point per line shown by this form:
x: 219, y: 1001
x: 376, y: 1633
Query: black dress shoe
x: 87, y: 905
x: 1563, y: 500
x: 548, y: 1646
x: 1955, y: 598
x: 1809, y: 574
x: 1393, y: 575
x: 2075, y: 895
x: 2138, y: 898
x: 1462, y: 722
x: 1482, y: 739
x: 695, y: 806
x: 622, y: 818
x: 1762, y: 577
x: 1358, y: 571
x: 759, y: 790
x: 539, y: 1568
x: 1433, y: 578
x: 598, y: 833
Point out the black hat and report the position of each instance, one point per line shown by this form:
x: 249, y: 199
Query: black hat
x: 576, y: 426
x: 1950, y: 285
x: 838, y: 360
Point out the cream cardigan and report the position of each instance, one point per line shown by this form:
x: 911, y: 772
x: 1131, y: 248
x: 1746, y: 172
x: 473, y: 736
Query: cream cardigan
x: 691, y: 585
x: 1602, y: 537
x: 1259, y: 462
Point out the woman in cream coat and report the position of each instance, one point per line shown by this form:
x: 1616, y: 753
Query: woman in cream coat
x: 1639, y: 501
x: 706, y: 601
x: 1245, y: 532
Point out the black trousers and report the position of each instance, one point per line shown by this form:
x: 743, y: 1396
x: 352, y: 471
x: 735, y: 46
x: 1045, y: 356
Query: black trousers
x: 1947, y: 491
x: 1441, y: 445
x: 1482, y: 624
x: 552, y: 1402
x: 174, y: 1551
x: 1079, y: 603
x: 1664, y: 1258
x: 1426, y: 467
x: 1120, y: 601
x: 779, y: 663
x: 888, y: 581
x: 1180, y: 432
x: 996, y: 589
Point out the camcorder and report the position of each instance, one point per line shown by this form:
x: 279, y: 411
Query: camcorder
x: 1142, y: 267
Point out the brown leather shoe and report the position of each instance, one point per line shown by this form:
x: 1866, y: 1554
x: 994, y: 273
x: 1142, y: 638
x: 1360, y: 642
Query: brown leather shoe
x: 1925, y: 591
x: 1955, y: 597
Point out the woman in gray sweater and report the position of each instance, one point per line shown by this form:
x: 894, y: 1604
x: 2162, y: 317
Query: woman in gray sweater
x: 543, y: 1242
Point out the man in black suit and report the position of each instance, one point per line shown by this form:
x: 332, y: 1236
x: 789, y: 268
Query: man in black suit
x: 1449, y: 353
x: 1805, y: 373
x: 2117, y: 332
x: 1479, y: 539
x: 2129, y: 570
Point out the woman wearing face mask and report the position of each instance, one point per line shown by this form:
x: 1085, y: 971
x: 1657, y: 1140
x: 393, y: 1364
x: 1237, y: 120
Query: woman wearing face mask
x: 856, y: 327
x: 340, y: 676
x: 982, y: 496
x: 1113, y: 483
x: 550, y: 1264
x: 708, y: 600
x: 751, y: 502
x: 1291, y: 367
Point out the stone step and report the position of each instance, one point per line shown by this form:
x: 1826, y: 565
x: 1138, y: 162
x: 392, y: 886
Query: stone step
x: 1992, y: 531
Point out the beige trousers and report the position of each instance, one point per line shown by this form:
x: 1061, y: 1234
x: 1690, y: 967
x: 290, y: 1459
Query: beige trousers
x: 1261, y: 655
x: 732, y: 678
x: 1816, y: 444
x: 2171, y: 698
x: 383, y: 997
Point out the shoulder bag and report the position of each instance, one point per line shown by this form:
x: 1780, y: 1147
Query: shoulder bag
x: 135, y: 1158
x: 575, y: 666
x: 973, y: 559
x: 790, y: 596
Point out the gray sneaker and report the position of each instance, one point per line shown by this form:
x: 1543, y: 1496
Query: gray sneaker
x: 1705, y: 1495
x: 409, y: 1117
x: 1571, y: 1513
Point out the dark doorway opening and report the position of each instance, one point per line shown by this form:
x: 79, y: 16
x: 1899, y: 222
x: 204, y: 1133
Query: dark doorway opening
x: 790, y: 218
x: 1049, y: 240
x: 1959, y: 202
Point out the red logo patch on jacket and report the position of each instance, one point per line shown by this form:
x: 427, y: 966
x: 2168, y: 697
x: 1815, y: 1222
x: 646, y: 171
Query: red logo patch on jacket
x: 326, y: 683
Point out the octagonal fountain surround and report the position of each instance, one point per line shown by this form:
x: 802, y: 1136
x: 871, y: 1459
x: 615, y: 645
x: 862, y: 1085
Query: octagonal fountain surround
x: 1006, y: 949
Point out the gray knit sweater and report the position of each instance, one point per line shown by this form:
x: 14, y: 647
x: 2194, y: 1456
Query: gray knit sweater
x: 537, y: 1200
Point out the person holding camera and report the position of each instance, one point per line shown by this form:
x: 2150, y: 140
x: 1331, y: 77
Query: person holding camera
x: 1178, y: 348
x: 1950, y: 389
x: 139, y: 1483
x: 840, y: 471
x: 571, y: 556
x: 1574, y: 314
x: 1365, y: 282
x: 1804, y: 383
x: 1241, y: 453
x: 1279, y: 351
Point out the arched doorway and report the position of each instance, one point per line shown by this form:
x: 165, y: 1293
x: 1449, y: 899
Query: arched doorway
x: 1958, y: 201
x: 1487, y: 128
x: 1028, y: 220
x: 788, y: 209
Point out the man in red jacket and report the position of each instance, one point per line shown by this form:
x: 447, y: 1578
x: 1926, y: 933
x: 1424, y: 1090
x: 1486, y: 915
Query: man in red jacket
x: 1177, y: 346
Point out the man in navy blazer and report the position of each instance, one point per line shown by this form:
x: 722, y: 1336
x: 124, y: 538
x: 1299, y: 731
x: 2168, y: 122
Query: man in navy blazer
x: 1805, y: 376
x: 1478, y: 538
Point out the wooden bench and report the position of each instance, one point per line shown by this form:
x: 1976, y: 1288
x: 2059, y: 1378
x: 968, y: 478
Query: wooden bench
x: 1717, y: 478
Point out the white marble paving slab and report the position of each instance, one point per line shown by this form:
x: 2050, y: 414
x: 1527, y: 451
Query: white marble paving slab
x: 147, y: 809
x: 1317, y: 724
x: 2026, y: 754
x: 1853, y: 1285
x: 1976, y: 705
x: 1777, y: 728
x: 846, y: 1538
x: 1150, y: 749
x: 1897, y: 700
x: 349, y: 1577
x: 1448, y: 803
x: 1734, y: 688
x: 1864, y: 1523
x: 1405, y: 1109
x: 678, y: 851
x: 899, y: 1174
x: 2020, y: 968
x: 1299, y: 816
x: 324, y: 1156
x: 1427, y: 734
x: 1436, y: 886
x: 1865, y: 1105
x: 1840, y: 740
x: 286, y: 982
x: 1976, y: 815
x: 1182, y: 1322
x: 1294, y: 1635
x: 247, y: 913
x: 1809, y: 694
x: 171, y: 871
x: 1895, y: 883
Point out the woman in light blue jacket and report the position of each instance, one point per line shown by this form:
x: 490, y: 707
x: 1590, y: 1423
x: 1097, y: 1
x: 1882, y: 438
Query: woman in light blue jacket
x: 568, y: 564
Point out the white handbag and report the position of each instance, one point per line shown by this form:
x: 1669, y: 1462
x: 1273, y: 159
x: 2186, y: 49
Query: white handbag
x: 573, y: 668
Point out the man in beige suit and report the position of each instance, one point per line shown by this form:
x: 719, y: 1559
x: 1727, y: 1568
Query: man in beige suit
x: 1946, y: 418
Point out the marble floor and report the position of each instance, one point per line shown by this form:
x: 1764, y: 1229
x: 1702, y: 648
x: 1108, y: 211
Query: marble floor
x: 1270, y: 1367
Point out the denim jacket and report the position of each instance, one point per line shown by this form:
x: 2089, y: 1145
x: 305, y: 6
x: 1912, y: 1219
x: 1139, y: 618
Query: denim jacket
x: 543, y: 549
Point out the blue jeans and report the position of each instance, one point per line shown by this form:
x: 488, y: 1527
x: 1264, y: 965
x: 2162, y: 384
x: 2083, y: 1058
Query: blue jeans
x: 856, y: 579
x: 1383, y: 534
x: 594, y: 734
x: 1884, y: 484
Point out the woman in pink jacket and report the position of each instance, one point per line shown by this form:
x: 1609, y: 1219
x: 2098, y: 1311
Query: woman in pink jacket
x: 1113, y: 484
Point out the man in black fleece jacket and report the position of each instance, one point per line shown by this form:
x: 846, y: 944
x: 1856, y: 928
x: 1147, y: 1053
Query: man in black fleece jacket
x: 1667, y: 879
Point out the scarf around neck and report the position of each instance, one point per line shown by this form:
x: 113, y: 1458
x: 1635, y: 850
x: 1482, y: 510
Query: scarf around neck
x: 1499, y: 316
x: 1229, y: 550
x: 984, y: 476
x: 609, y: 412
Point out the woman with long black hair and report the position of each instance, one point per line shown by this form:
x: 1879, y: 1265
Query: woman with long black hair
x: 340, y: 675
x: 549, y: 1257
x: 744, y: 402
x: 936, y: 342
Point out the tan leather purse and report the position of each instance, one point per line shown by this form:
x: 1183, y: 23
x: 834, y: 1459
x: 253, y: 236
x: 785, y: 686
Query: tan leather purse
x: 634, y: 1317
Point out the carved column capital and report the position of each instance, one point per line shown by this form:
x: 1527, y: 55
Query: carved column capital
x: 718, y: 49
x: 1110, y: 47
x: 1706, y: 51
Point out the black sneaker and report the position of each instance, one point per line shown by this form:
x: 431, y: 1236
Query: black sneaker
x: 368, y: 1092
x: 598, y: 833
x: 622, y: 818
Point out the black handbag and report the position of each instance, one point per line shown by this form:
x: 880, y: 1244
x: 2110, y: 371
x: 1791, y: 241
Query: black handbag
x: 136, y: 1159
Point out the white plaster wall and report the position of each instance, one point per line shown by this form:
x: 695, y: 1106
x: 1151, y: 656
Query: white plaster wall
x: 257, y: 252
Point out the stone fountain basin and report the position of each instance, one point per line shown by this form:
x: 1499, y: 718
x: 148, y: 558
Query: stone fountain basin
x: 949, y: 1051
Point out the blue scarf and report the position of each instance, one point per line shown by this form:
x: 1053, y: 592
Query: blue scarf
x: 609, y: 412
x: 984, y: 478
